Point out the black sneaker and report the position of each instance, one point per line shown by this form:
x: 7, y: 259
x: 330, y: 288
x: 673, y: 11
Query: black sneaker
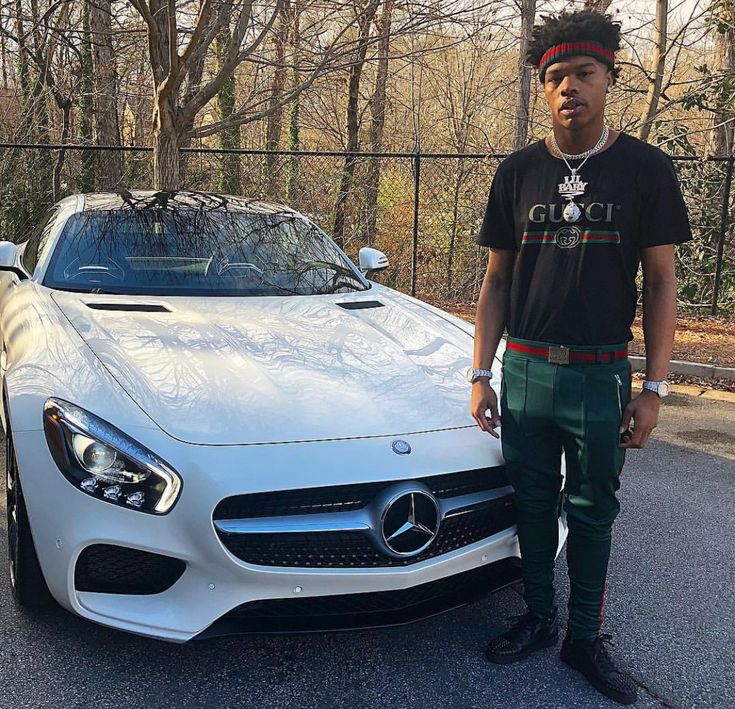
x: 528, y: 634
x: 590, y: 657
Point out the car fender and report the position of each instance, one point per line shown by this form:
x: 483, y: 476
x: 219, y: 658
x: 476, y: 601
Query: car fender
x: 44, y: 356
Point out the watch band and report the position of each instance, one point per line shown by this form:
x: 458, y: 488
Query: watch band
x: 474, y: 374
x: 660, y: 388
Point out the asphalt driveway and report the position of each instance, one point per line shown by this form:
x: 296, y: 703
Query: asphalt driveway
x: 671, y: 610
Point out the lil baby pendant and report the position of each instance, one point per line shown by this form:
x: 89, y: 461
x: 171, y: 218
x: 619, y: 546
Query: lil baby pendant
x: 569, y: 189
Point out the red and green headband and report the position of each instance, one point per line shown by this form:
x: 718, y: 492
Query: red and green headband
x: 571, y: 49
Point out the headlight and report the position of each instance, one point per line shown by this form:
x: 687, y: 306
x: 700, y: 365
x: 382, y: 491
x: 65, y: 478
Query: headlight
x: 106, y: 463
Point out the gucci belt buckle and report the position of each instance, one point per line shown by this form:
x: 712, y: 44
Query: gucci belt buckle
x: 558, y: 354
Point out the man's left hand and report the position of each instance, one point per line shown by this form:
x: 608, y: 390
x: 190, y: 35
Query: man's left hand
x: 643, y: 413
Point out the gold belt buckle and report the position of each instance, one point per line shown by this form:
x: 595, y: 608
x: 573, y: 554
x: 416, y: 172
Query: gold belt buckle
x: 559, y: 354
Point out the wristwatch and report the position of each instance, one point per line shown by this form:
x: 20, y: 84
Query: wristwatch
x: 474, y: 374
x: 661, y: 388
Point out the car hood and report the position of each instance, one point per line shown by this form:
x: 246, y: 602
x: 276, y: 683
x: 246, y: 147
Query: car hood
x: 236, y: 371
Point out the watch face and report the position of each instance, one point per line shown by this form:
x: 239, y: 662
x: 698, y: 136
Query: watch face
x: 663, y: 389
x: 470, y: 374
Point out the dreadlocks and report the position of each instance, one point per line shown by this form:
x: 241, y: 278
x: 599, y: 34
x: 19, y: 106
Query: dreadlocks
x: 596, y: 34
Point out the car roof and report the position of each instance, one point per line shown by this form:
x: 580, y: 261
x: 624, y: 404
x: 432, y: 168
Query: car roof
x: 183, y: 200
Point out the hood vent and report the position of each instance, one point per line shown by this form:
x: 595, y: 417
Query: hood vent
x: 131, y: 307
x: 361, y: 304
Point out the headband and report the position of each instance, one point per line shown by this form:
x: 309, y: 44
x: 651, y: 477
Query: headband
x: 570, y: 49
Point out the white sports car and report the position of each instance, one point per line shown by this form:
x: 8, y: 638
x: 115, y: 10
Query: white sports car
x: 216, y: 424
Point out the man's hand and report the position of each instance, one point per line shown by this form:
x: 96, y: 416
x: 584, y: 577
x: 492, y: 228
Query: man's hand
x: 483, y: 398
x: 643, y: 411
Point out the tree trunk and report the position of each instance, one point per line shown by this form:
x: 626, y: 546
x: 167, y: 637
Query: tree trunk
x: 23, y: 78
x: 274, y: 122
x: 42, y: 165
x: 229, y: 177
x: 142, y: 108
x: 724, y: 119
x: 458, y: 180
x: 353, y: 124
x: 85, y: 182
x: 3, y: 55
x: 528, y: 17
x: 599, y: 5
x: 193, y: 81
x: 166, y: 142
x: 377, y: 125
x: 658, y: 60
x: 59, y: 166
x: 105, y: 75
x: 294, y: 106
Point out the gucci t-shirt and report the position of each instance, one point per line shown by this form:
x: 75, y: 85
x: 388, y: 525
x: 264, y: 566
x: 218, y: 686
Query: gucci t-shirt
x: 578, y: 238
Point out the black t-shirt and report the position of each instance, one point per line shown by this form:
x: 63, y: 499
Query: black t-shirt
x: 574, y: 282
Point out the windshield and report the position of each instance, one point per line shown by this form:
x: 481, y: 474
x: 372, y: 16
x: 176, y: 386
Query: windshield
x: 192, y: 252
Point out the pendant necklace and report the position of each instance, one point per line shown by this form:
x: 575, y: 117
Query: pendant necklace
x: 573, y: 186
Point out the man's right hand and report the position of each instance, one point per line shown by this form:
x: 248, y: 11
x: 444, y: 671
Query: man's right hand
x: 484, y: 398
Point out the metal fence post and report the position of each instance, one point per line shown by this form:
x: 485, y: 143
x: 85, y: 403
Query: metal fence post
x: 723, y: 231
x: 415, y: 247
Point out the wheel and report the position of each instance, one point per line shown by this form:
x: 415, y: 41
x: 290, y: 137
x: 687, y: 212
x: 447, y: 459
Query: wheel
x: 27, y: 584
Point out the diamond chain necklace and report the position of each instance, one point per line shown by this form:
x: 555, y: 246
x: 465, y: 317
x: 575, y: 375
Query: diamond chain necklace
x: 566, y: 157
x: 573, y: 186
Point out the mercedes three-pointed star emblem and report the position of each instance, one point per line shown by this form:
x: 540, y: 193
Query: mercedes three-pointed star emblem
x: 410, y: 522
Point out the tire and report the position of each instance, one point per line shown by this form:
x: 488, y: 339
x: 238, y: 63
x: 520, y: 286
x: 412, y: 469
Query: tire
x: 27, y: 583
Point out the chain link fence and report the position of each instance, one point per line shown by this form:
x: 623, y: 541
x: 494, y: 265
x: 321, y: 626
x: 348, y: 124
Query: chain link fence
x: 422, y: 210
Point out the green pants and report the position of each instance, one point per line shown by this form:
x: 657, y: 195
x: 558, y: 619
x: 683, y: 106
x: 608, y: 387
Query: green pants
x: 575, y: 408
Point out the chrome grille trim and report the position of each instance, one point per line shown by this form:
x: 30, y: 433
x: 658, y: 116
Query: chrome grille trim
x: 361, y: 520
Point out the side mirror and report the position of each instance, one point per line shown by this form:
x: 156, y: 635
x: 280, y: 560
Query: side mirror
x: 372, y: 260
x: 8, y: 257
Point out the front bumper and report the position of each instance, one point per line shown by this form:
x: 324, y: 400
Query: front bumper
x: 218, y: 586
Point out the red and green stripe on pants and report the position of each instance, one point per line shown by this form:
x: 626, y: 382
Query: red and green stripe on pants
x: 546, y: 410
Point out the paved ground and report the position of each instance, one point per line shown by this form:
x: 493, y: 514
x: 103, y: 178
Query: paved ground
x: 671, y: 609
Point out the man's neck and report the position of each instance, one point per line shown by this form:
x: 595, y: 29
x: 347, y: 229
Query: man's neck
x: 578, y: 141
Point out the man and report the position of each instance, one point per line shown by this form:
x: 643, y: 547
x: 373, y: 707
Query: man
x: 568, y: 221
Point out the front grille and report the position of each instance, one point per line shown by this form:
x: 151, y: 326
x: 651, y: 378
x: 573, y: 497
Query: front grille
x: 355, y: 550
x: 106, y: 568
x: 343, y: 498
x: 366, y: 610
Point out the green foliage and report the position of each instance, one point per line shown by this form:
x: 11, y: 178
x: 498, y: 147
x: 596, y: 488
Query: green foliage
x: 703, y: 184
x: 20, y: 206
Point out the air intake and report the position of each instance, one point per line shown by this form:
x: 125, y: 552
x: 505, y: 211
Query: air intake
x: 361, y: 305
x: 131, y: 307
x: 106, y: 568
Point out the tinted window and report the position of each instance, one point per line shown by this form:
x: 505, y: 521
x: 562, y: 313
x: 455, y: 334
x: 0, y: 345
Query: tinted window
x: 38, y: 240
x: 194, y: 252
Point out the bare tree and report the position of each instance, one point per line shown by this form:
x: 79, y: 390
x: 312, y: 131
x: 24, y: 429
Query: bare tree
x: 365, y: 11
x: 37, y: 49
x: 599, y: 5
x: 294, y: 136
x: 172, y: 61
x: 377, y: 123
x: 274, y: 120
x: 229, y: 138
x: 528, y: 17
x: 724, y: 118
x: 656, y: 75
x: 109, y: 162
x: 86, y: 179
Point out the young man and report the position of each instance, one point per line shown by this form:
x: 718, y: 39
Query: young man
x: 568, y: 221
